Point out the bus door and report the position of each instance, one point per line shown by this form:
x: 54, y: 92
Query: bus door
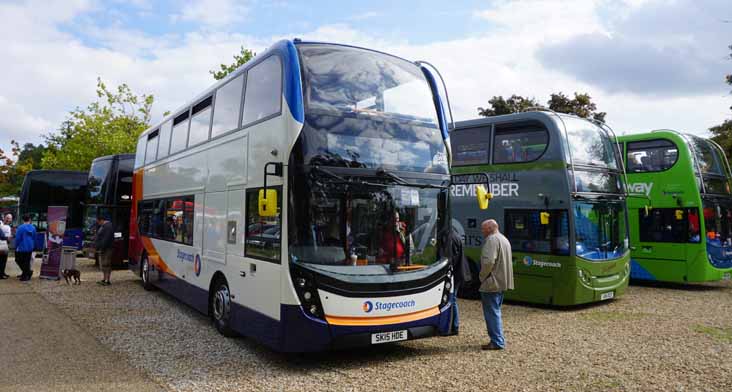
x: 664, y: 233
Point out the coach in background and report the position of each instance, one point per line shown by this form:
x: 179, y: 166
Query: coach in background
x: 496, y: 276
x: 103, y: 244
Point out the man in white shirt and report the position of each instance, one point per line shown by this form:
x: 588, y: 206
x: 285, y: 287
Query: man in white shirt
x: 7, y: 233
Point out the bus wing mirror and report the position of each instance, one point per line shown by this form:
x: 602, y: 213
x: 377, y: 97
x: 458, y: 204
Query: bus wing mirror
x: 267, y: 203
x: 544, y: 218
x: 483, y: 196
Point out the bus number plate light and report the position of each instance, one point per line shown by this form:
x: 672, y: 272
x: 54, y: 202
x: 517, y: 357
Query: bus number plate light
x: 386, y: 337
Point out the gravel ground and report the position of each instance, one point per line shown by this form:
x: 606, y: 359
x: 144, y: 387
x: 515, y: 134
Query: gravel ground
x: 653, y: 338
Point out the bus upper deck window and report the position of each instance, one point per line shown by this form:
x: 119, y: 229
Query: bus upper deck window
x: 263, y: 91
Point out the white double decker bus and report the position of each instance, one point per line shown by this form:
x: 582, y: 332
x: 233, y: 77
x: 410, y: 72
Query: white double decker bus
x: 303, y: 200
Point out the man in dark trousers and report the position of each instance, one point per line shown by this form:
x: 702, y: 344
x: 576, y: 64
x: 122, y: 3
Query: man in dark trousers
x: 24, y: 243
x: 460, y: 273
x: 103, y: 244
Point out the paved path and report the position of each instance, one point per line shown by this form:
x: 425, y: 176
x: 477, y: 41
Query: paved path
x: 42, y: 349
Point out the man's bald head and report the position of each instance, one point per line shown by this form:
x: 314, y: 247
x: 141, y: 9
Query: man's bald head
x: 488, y: 227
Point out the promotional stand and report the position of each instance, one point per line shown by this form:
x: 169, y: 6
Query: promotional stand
x: 51, y: 267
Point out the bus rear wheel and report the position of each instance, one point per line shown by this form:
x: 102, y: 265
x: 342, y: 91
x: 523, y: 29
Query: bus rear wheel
x: 145, y: 274
x: 221, y: 308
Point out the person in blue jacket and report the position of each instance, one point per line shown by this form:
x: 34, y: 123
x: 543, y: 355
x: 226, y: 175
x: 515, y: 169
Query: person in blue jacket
x: 24, y: 237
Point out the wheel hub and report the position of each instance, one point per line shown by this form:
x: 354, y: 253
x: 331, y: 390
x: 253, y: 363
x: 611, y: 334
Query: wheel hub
x: 222, y: 303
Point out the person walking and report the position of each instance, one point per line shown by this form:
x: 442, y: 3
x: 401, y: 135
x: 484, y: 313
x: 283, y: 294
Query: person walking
x: 103, y: 243
x: 24, y: 244
x: 496, y: 276
x: 6, y: 233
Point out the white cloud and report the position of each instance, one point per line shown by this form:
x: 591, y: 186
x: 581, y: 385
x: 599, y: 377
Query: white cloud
x: 214, y: 13
x: 47, y: 72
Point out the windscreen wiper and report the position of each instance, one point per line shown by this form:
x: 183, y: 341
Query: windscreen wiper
x: 384, y: 173
x: 343, y: 180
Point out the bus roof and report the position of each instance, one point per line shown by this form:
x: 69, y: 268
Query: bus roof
x: 277, y: 46
x: 117, y: 156
x: 539, y: 115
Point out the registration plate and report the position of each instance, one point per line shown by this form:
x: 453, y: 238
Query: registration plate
x: 727, y: 276
x: 608, y: 295
x: 386, y: 337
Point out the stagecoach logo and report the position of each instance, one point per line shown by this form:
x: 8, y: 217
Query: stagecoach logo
x: 369, y: 306
x: 183, y: 256
x: 528, y: 261
x: 641, y: 188
x: 197, y: 265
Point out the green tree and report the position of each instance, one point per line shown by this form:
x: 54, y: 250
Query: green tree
x: 108, y: 126
x: 239, y: 59
x: 14, y: 165
x: 722, y: 134
x: 581, y: 105
x: 514, y: 104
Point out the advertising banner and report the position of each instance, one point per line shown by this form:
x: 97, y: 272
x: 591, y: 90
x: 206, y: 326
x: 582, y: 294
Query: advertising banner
x: 51, y: 268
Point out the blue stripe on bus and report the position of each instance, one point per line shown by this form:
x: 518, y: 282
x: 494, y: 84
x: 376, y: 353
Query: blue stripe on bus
x: 638, y: 272
x: 293, y: 81
x: 438, y: 102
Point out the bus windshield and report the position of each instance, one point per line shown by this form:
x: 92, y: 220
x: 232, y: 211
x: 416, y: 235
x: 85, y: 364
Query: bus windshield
x: 589, y: 144
x: 368, y: 109
x: 365, y: 229
x: 600, y: 229
x: 98, y: 183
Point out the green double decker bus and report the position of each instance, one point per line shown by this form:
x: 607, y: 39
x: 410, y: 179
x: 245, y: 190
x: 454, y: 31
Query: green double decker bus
x: 681, y: 212
x: 559, y: 194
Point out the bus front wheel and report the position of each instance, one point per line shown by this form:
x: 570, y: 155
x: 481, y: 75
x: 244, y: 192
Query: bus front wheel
x: 221, y: 308
x: 145, y: 274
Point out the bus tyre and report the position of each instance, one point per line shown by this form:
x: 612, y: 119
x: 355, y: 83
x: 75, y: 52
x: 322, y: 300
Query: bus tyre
x: 145, y: 274
x: 221, y: 308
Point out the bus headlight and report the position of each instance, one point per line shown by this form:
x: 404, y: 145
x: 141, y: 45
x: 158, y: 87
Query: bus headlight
x: 585, y: 276
x: 448, y: 286
x: 307, y: 296
x: 306, y: 287
x: 301, y: 282
x: 314, y: 310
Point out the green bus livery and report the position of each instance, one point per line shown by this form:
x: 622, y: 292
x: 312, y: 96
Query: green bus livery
x: 559, y: 197
x: 681, y: 211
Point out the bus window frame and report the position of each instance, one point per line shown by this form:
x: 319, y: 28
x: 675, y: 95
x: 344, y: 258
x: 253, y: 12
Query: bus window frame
x: 489, y: 151
x: 190, y: 120
x: 552, y: 212
x: 627, y: 150
x: 239, y: 115
x: 539, y: 157
x: 278, y: 113
x: 255, y: 191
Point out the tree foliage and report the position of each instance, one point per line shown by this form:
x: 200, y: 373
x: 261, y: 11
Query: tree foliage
x: 581, y: 105
x: 239, y: 59
x: 722, y: 134
x: 514, y: 104
x: 108, y: 126
x: 16, y: 163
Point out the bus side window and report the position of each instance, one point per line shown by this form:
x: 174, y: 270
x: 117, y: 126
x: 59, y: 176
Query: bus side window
x: 519, y: 143
x: 263, y: 91
x: 227, y: 107
x: 263, y: 234
x: 651, y: 155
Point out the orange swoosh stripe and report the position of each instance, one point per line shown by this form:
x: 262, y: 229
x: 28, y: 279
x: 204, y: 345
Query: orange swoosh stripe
x: 154, y: 256
x: 383, y: 320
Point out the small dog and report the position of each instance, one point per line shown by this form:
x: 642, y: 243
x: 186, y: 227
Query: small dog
x: 72, y: 274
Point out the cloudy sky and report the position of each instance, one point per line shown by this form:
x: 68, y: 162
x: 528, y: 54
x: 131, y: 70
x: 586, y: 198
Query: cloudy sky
x: 650, y: 64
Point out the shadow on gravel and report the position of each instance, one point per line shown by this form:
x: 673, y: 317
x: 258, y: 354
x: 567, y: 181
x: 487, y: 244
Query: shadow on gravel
x: 680, y: 286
